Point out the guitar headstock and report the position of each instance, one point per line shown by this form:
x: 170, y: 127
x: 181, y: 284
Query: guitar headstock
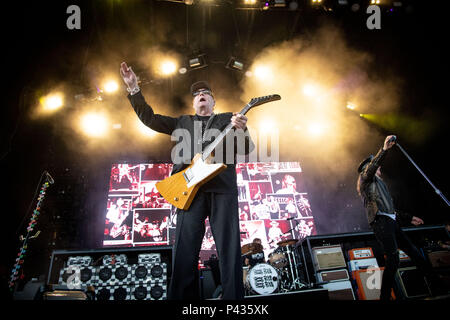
x: 264, y: 99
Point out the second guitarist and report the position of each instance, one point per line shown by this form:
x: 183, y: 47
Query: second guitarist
x: 217, y: 199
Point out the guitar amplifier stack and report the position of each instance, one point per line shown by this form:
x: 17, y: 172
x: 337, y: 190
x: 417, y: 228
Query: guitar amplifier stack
x: 330, y: 268
x: 365, y: 273
x: 116, y: 279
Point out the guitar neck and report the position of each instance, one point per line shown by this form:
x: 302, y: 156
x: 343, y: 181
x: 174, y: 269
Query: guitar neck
x: 210, y: 148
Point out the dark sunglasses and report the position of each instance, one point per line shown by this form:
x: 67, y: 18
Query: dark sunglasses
x: 204, y: 91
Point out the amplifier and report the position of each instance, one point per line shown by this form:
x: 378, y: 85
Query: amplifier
x: 354, y: 265
x: 439, y: 259
x: 328, y: 257
x: 340, y: 290
x: 411, y: 283
x: 403, y: 256
x: 332, y: 275
x: 368, y: 283
x: 360, y: 253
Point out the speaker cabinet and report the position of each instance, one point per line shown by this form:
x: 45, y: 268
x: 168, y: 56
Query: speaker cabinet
x: 340, y: 290
x: 411, y: 283
x: 328, y: 257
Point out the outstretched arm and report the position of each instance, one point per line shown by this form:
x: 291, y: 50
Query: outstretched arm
x: 372, y: 167
x: 157, y: 122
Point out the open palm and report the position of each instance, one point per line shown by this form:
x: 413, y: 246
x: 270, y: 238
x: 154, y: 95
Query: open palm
x: 129, y: 77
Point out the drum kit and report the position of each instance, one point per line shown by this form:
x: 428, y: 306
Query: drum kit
x: 280, y: 274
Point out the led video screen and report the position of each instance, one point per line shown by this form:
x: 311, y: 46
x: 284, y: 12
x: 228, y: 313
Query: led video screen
x: 273, y: 206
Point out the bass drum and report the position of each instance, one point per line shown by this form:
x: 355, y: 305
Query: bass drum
x: 262, y: 279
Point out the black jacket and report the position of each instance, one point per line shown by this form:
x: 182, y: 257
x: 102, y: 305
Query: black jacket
x: 374, y: 192
x: 225, y: 182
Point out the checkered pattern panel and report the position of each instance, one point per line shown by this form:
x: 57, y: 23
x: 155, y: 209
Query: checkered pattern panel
x: 78, y: 277
x: 113, y: 293
x: 79, y: 261
x: 149, y: 258
x: 148, y: 291
x: 120, y: 258
x: 114, y: 275
x: 151, y: 272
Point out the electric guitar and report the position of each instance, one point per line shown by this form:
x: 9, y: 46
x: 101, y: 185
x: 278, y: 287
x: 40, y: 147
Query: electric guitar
x: 180, y: 189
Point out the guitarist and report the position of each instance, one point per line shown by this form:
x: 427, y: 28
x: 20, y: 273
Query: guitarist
x: 216, y: 199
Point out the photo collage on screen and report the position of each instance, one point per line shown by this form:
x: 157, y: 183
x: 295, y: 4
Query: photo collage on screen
x: 137, y: 215
x: 273, y: 206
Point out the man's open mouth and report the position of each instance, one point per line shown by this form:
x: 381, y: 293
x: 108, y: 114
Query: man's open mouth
x: 202, y: 99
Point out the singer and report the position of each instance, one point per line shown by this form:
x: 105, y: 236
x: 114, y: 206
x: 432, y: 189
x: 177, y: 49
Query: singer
x: 383, y: 219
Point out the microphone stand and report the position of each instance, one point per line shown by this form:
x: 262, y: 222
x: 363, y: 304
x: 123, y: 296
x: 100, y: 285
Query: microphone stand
x: 423, y: 174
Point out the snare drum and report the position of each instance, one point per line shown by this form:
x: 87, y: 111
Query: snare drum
x: 262, y: 279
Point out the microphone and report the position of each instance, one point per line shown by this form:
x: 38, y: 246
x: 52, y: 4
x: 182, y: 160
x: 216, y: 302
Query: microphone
x: 50, y: 179
x: 392, y: 139
x: 290, y: 218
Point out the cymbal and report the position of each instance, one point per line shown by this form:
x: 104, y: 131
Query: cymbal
x: 287, y: 242
x: 251, y: 248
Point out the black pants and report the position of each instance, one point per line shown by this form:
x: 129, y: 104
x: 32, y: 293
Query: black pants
x: 222, y: 210
x: 391, y: 237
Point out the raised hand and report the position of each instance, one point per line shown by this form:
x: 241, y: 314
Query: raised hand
x: 388, y: 144
x: 128, y: 76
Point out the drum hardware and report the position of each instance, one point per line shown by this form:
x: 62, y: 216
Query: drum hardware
x: 286, y: 261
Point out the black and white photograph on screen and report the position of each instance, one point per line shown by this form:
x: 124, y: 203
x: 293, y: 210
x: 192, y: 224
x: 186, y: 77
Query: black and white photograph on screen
x: 242, y: 191
x: 155, y: 171
x: 287, y: 182
x: 286, y: 205
x: 258, y: 171
x: 244, y: 211
x: 259, y: 210
x: 118, y: 221
x: 303, y: 227
x: 274, y: 206
x: 124, y: 179
x: 150, y: 226
x: 303, y: 205
x: 277, y: 230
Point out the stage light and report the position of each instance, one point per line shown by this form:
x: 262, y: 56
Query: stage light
x: 94, y: 124
x: 316, y: 129
x: 310, y: 90
x: 182, y: 70
x: 351, y: 106
x: 52, y: 102
x: 279, y: 3
x: 375, y: 2
x: 250, y: 2
x: 235, y: 64
x: 110, y: 86
x: 197, y: 62
x: 168, y: 67
x: 316, y: 1
x: 267, y: 126
x: 262, y: 72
